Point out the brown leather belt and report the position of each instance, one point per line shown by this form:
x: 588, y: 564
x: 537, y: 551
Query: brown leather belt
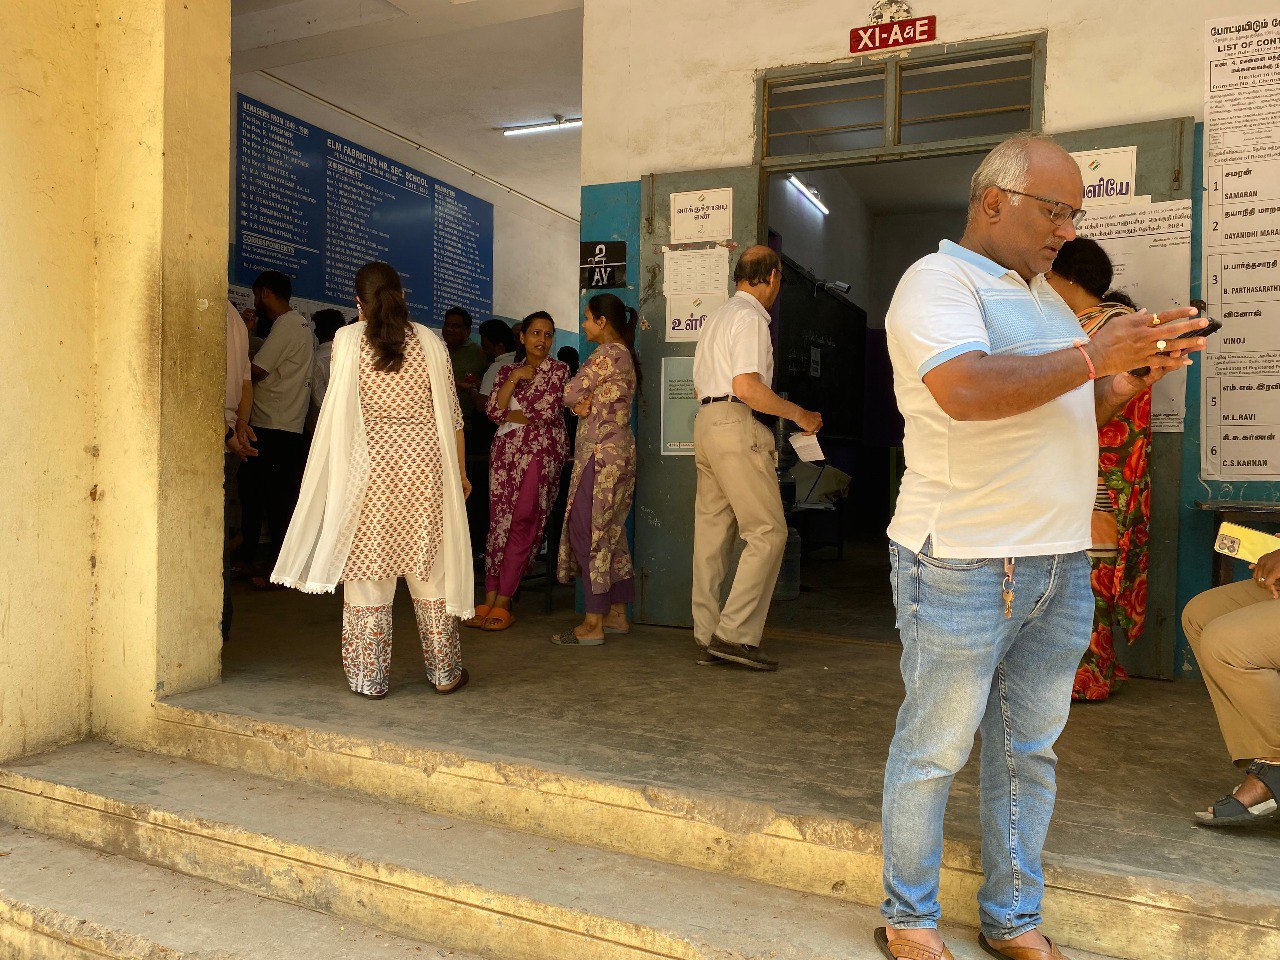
x: 727, y: 398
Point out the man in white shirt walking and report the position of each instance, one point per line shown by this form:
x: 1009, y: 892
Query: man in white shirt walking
x: 738, y: 491
x: 1002, y: 397
x: 281, y: 397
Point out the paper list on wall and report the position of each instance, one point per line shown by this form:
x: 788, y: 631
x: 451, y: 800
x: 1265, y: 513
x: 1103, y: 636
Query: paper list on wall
x: 695, y: 283
x: 1241, y: 379
x: 1150, y: 249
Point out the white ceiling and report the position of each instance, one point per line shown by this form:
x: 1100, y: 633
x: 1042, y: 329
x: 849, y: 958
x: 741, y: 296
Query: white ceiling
x: 445, y: 73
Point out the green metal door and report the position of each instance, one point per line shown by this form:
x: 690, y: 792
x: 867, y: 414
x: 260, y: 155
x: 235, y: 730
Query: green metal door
x: 1164, y: 172
x: 665, y: 485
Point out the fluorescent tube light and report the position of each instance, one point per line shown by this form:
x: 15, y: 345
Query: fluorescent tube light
x: 557, y: 124
x: 813, y: 197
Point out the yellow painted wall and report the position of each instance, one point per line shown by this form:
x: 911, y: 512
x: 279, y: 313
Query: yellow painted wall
x: 114, y: 141
x: 47, y: 406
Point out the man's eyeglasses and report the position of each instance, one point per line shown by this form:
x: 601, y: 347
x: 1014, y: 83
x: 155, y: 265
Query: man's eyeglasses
x: 1059, y: 212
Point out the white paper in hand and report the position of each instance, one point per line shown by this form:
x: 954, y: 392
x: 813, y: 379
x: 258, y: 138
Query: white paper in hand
x: 807, y: 447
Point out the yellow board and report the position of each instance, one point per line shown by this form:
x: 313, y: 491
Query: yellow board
x: 1244, y: 543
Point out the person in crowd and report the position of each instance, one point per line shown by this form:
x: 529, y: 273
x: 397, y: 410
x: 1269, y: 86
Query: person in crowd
x: 738, y: 493
x: 525, y: 463
x: 327, y: 323
x: 1081, y: 276
x: 250, y: 318
x: 237, y: 443
x: 594, y: 543
x: 468, y: 359
x: 389, y: 451
x: 498, y: 341
x: 281, y: 397
x: 1002, y: 399
x: 1235, y: 633
x: 569, y: 357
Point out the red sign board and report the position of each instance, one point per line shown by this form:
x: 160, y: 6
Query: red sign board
x: 899, y: 33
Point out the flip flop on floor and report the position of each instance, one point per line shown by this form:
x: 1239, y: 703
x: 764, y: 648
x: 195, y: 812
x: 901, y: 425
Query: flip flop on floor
x: 907, y: 949
x: 1230, y: 812
x: 477, y: 622
x: 462, y: 682
x: 1022, y: 953
x: 571, y: 639
x: 498, y: 619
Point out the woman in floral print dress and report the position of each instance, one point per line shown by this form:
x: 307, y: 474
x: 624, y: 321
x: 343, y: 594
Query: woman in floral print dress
x: 594, y: 545
x: 525, y: 461
x: 1082, y: 275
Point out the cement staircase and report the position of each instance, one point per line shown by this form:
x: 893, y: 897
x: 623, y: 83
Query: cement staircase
x: 117, y: 853
x: 1091, y: 906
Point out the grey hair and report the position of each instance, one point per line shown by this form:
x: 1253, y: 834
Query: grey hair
x: 1005, y: 167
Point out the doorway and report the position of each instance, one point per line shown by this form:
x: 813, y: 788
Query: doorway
x: 846, y: 234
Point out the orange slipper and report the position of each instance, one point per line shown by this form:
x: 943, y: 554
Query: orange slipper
x: 498, y: 619
x: 477, y: 622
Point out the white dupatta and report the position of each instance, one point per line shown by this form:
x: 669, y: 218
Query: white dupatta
x: 315, y: 549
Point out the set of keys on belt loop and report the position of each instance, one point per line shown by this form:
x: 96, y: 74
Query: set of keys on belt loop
x: 1007, y: 590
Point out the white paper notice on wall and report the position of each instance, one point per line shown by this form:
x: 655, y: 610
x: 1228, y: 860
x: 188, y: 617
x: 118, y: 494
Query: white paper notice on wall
x: 687, y: 312
x: 1108, y: 175
x: 1150, y: 249
x: 1240, y: 387
x: 695, y: 271
x: 702, y: 215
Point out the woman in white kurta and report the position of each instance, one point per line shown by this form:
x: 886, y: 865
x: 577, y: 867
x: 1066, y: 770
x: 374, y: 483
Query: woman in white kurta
x: 383, y: 491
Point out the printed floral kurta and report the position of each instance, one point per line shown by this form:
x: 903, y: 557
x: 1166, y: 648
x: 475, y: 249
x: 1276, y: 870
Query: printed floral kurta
x: 608, y: 378
x: 542, y: 442
x: 1119, y: 580
x: 401, y: 525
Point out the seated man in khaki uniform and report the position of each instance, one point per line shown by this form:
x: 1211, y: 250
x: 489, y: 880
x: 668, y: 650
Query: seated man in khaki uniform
x: 1235, y: 632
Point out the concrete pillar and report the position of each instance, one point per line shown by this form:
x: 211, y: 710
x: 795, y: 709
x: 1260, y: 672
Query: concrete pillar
x: 113, y: 261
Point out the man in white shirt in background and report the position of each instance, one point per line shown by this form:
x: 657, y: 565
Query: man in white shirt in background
x: 326, y: 323
x: 498, y: 341
x: 738, y: 492
x: 282, y: 369
x: 238, y: 440
x: 1002, y: 395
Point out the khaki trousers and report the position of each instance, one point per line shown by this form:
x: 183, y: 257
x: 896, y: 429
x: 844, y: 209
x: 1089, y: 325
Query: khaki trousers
x: 1235, y: 632
x: 738, y: 496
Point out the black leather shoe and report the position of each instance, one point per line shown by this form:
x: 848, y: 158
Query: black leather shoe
x: 705, y: 659
x: 739, y: 653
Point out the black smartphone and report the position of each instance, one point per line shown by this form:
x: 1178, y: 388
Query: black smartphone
x: 1213, y: 327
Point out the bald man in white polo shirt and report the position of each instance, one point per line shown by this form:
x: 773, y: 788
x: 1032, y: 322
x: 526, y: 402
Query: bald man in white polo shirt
x: 737, y: 467
x: 1002, y: 395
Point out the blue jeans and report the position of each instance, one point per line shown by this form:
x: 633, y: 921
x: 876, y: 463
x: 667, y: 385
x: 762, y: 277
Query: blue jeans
x: 967, y: 669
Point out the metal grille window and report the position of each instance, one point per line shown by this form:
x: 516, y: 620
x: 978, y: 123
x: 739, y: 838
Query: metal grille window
x: 964, y: 98
x: 977, y: 92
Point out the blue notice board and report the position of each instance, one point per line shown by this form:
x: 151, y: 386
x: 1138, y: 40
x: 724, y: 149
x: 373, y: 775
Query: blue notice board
x: 319, y: 207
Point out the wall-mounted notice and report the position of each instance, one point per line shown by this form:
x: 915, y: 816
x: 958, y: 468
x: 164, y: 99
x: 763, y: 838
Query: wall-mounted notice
x: 1150, y: 249
x: 1108, y: 175
x: 318, y: 207
x: 679, y: 406
x: 695, y: 271
x: 702, y: 215
x: 1241, y: 387
x: 687, y: 312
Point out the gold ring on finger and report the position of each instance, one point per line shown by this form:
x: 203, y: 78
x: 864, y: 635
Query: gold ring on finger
x: 1155, y: 319
x: 1161, y: 345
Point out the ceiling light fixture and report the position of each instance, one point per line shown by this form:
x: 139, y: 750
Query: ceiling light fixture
x: 813, y: 197
x: 559, y: 123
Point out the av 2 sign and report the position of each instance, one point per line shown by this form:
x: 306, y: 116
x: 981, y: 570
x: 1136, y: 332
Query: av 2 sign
x: 897, y: 33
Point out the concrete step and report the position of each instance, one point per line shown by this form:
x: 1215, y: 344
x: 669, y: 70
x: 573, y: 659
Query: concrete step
x: 60, y: 900
x: 1090, y: 905
x: 467, y: 886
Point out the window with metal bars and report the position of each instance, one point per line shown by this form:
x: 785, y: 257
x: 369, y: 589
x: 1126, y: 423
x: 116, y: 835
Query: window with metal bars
x: 904, y: 102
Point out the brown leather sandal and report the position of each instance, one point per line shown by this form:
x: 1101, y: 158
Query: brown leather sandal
x: 907, y: 949
x: 1022, y: 953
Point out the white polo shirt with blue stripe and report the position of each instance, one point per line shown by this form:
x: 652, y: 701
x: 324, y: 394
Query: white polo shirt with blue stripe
x: 1017, y: 487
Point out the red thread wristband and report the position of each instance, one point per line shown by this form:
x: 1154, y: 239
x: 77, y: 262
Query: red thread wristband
x: 1079, y: 345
